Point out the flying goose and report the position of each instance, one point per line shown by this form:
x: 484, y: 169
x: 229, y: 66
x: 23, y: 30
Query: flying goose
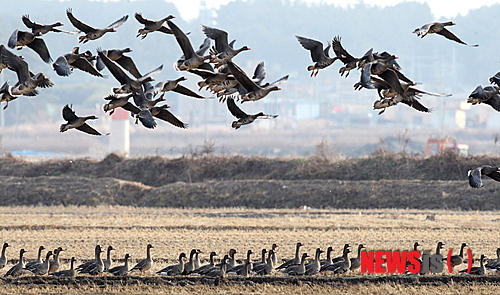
x: 439, y: 28
x: 244, y: 118
x: 175, y: 86
x: 65, y: 64
x: 474, y: 175
x: 118, y: 56
x: 191, y: 59
x: 489, y: 95
x: 350, y: 62
x: 223, y: 50
x: 74, y: 121
x: 27, y: 81
x: 252, y: 91
x: 42, y: 29
x: 92, y: 33
x: 127, y: 84
x: 19, y: 39
x: 320, y: 56
x: 151, y: 25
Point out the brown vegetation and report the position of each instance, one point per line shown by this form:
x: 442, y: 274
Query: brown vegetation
x: 383, y: 180
x: 171, y: 231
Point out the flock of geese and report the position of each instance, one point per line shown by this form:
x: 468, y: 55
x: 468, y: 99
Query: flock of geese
x: 269, y: 263
x: 219, y: 74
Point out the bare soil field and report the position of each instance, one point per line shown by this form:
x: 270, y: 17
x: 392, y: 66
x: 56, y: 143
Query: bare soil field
x: 171, y: 231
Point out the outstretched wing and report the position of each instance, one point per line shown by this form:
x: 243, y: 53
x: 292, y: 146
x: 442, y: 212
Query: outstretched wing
x: 235, y: 110
x: 77, y: 23
x: 68, y: 114
x: 475, y: 178
x: 315, y: 47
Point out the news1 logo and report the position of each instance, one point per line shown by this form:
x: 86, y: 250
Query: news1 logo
x: 406, y: 262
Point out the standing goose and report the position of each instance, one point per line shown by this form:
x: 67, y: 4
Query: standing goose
x: 356, y: 261
x: 176, y: 269
x: 320, y: 56
x: 191, y: 59
x: 475, y: 180
x: 253, y: 91
x: 74, y: 121
x: 207, y: 267
x: 189, y: 267
x: 92, y: 33
x: 341, y: 258
x: 340, y: 267
x: 120, y: 270
x: 54, y: 263
x: 20, y: 39
x: 244, y: 118
x: 151, y: 25
x: 38, y: 259
x: 274, y: 247
x: 478, y: 270
x: 494, y: 264
x: 297, y: 269
x: 224, y: 51
x: 127, y: 84
x: 27, y: 82
x: 97, y: 267
x: 67, y: 272
x: 295, y: 260
x: 457, y: 259
x: 266, y: 268
x: 41, y: 268
x: 239, y: 269
x: 328, y: 260
x: 197, y: 261
x: 145, y: 264
x: 118, y: 56
x: 314, y: 266
x: 439, y: 28
x: 3, y: 258
x: 19, y: 268
x: 108, y: 261
x: 65, y: 64
x: 262, y: 260
x: 219, y: 270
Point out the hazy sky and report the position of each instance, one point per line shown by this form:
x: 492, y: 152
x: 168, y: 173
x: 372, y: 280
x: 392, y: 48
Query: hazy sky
x: 440, y: 8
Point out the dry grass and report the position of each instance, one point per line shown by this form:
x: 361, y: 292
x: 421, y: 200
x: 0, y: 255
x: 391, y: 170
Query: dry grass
x: 171, y: 231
